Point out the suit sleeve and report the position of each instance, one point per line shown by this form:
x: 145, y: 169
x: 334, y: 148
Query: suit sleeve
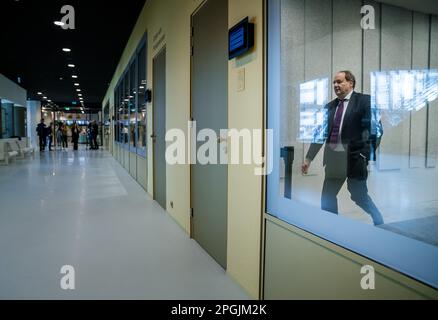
x: 316, y: 147
x: 313, y: 151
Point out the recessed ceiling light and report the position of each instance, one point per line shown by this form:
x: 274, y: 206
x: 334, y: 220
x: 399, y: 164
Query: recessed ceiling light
x: 49, y: 100
x: 78, y: 90
x: 44, y: 97
x: 59, y: 23
x: 77, y: 84
x: 39, y: 93
x: 71, y: 65
x: 66, y: 50
x: 74, y: 77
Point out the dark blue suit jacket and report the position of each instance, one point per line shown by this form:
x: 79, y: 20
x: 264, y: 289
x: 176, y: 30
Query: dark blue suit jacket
x: 355, y: 135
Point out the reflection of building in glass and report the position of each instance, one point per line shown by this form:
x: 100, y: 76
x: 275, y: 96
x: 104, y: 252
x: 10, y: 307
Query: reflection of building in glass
x: 313, y: 115
x: 397, y: 93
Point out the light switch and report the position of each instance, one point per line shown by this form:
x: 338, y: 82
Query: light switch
x: 241, y: 80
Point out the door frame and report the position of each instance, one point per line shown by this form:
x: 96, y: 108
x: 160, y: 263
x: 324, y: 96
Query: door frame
x: 154, y: 178
x: 191, y: 168
x: 198, y: 8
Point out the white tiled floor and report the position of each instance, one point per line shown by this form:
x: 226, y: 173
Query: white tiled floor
x: 83, y: 209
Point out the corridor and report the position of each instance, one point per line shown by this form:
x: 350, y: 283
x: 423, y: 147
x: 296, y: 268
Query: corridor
x: 84, y: 210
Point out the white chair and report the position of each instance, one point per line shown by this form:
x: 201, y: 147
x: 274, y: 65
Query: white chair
x: 4, y: 159
x: 6, y: 153
x: 25, y: 149
x: 14, y: 147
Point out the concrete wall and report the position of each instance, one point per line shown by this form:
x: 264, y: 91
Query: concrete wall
x: 13, y: 95
x: 12, y: 92
x: 33, y: 118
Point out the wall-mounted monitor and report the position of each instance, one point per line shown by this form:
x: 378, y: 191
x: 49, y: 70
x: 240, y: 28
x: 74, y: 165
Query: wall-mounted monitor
x: 241, y: 38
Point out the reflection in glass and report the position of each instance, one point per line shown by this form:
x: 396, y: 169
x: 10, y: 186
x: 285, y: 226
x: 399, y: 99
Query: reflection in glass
x: 313, y: 115
x: 393, y: 160
x: 125, y: 130
x: 400, y: 92
x: 141, y: 101
x: 131, y: 106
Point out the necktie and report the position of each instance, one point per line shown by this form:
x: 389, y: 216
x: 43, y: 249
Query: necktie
x: 335, y: 135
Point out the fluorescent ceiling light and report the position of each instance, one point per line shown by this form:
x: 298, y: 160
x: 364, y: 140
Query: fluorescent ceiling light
x: 74, y: 77
x: 59, y: 23
x: 66, y: 50
x: 78, y: 90
x: 39, y: 93
x: 71, y: 65
x: 77, y: 84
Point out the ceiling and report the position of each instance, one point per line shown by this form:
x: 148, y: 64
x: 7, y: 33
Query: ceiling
x: 31, y: 46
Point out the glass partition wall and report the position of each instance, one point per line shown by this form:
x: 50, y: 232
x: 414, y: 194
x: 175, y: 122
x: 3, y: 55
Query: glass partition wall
x: 131, y: 104
x: 352, y: 102
x: 141, y: 101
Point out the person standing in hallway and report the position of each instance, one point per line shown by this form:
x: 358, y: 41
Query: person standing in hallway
x: 42, y: 131
x: 89, y: 135
x: 59, y: 135
x: 94, y: 134
x: 347, y: 147
x: 64, y: 136
x: 49, y: 136
x: 75, y: 135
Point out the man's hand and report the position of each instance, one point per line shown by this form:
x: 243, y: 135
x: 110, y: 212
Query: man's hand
x: 305, y: 167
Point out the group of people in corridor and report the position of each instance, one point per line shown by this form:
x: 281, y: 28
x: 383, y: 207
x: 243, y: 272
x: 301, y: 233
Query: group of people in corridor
x: 60, y: 132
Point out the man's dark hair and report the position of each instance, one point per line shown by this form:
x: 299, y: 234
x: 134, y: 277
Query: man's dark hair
x: 349, y: 76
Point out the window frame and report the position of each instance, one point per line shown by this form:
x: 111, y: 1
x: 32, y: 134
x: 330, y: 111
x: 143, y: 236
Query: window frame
x: 417, y: 259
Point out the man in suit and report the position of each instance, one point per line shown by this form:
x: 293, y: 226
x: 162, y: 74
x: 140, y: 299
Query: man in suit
x: 347, y: 148
x: 42, y: 134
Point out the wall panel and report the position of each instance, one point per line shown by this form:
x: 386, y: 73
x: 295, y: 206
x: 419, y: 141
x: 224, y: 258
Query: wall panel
x: 432, y: 137
x: 371, y: 49
x: 420, y: 61
x: 396, y: 48
x: 293, y: 59
x: 347, y: 38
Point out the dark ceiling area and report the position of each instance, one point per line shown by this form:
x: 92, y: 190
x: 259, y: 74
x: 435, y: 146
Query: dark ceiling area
x: 31, y: 47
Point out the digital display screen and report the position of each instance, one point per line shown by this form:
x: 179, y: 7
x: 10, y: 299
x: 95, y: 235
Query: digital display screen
x: 240, y: 38
x: 237, y: 39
